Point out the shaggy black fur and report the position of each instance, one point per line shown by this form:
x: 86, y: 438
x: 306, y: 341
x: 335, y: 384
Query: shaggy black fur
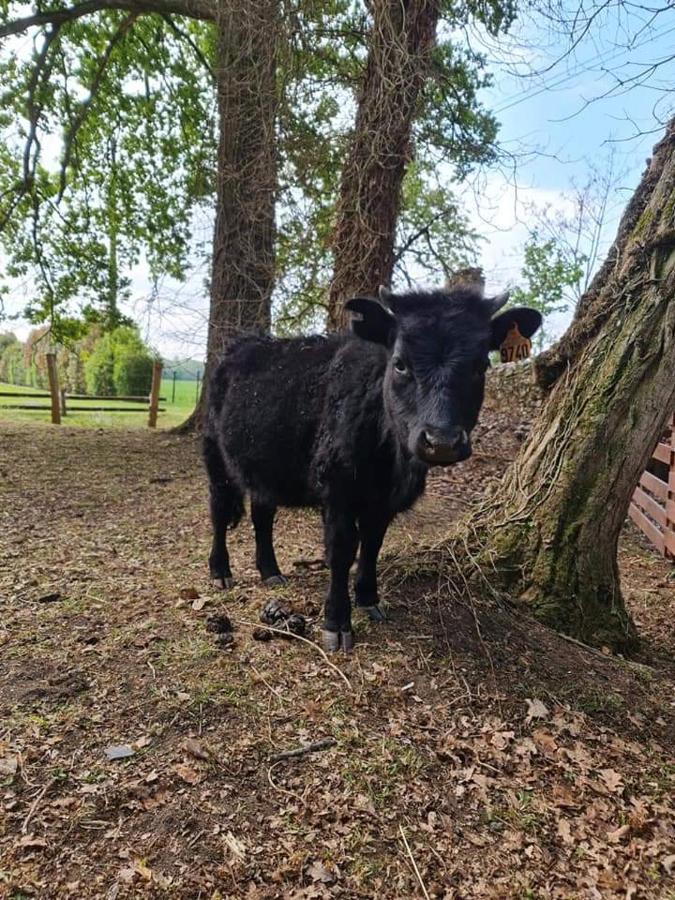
x: 349, y: 424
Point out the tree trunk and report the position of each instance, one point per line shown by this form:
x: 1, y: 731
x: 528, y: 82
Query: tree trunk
x: 242, y: 274
x: 551, y: 532
x: 401, y: 40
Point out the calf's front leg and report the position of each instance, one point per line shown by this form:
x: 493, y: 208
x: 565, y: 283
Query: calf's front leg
x: 265, y: 559
x: 341, y: 538
x: 372, y: 529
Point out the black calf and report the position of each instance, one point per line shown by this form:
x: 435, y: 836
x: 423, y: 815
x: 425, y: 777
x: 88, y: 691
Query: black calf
x: 350, y: 424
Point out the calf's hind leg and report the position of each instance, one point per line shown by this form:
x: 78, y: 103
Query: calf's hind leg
x: 265, y: 560
x: 226, y: 504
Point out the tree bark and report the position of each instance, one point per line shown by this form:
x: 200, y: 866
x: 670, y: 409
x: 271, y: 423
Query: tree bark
x: 401, y: 39
x: 550, y: 533
x: 242, y: 274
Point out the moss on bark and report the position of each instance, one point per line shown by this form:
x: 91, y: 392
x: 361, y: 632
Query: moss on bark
x: 549, y: 536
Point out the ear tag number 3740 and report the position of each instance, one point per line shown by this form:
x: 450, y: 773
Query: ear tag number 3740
x: 514, y: 346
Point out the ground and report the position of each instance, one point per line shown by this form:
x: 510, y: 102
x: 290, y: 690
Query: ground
x: 473, y: 754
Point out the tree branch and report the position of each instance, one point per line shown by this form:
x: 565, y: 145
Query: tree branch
x: 183, y: 36
x: 84, y: 106
x: 424, y: 230
x: 195, y: 9
x: 39, y: 75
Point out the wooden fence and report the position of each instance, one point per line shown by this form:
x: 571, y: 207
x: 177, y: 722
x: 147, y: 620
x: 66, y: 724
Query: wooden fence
x: 653, y: 505
x: 61, y: 402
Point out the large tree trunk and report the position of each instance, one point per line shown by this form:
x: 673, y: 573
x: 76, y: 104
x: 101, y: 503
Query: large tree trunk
x: 401, y: 39
x: 550, y: 534
x: 242, y: 274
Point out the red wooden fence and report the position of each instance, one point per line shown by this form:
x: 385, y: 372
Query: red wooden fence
x: 653, y: 505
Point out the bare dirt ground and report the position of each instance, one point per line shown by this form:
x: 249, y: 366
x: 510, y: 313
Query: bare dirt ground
x: 474, y: 754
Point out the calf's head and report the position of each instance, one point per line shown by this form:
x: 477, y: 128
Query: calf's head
x: 437, y: 347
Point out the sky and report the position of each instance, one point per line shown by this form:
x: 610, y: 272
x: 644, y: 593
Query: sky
x: 563, y: 119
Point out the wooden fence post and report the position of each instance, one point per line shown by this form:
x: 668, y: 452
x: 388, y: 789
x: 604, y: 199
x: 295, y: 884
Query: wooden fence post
x: 54, y: 387
x: 154, y: 392
x: 63, y: 402
x: 670, y: 500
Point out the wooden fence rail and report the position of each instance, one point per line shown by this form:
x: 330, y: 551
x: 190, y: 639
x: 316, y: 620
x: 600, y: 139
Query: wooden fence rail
x: 60, y: 400
x: 653, y: 505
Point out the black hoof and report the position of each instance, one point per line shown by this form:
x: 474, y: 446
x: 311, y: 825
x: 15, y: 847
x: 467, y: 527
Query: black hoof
x: 374, y: 613
x: 223, y: 582
x: 275, y: 581
x: 336, y: 640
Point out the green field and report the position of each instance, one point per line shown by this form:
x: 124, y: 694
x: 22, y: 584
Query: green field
x: 174, y: 413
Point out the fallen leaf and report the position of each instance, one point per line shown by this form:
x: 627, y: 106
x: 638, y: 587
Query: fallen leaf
x: 536, y: 710
x: 9, y: 765
x: 318, y: 872
x: 615, y: 836
x: 235, y: 845
x: 189, y: 593
x: 545, y: 742
x: 668, y: 863
x: 612, y: 780
x: 186, y: 773
x: 143, y: 870
x: 195, y: 748
x: 501, y: 739
x: 564, y: 831
x: 199, y: 603
x: 30, y: 841
x: 120, y: 751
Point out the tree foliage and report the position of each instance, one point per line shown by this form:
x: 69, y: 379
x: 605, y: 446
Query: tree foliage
x: 108, y: 147
x: 548, y: 272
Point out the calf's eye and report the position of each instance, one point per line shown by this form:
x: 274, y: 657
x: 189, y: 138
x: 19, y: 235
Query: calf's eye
x: 400, y: 367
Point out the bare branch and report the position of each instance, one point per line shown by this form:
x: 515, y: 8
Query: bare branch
x: 424, y: 230
x: 195, y: 9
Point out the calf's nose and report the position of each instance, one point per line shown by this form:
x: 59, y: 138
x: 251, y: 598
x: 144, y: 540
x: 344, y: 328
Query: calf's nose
x: 442, y: 447
x: 452, y: 440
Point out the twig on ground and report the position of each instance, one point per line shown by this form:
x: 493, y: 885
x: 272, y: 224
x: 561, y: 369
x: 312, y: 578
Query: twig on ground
x: 312, y: 747
x: 262, y: 678
x: 596, y: 652
x: 34, y: 805
x: 414, y: 864
x: 297, y: 637
x: 572, y: 640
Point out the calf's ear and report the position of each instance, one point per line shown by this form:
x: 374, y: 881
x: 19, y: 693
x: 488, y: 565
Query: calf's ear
x: 528, y: 321
x: 371, y: 321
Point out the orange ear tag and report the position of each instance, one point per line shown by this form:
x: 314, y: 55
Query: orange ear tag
x: 514, y: 346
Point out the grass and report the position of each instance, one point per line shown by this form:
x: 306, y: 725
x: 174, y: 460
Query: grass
x: 176, y: 408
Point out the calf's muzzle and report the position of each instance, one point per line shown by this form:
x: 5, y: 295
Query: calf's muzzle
x: 443, y: 447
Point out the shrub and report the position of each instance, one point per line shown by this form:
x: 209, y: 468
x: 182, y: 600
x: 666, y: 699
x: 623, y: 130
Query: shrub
x: 7, y: 338
x: 12, y: 366
x: 132, y: 371
x: 99, y: 367
x: 119, y: 364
